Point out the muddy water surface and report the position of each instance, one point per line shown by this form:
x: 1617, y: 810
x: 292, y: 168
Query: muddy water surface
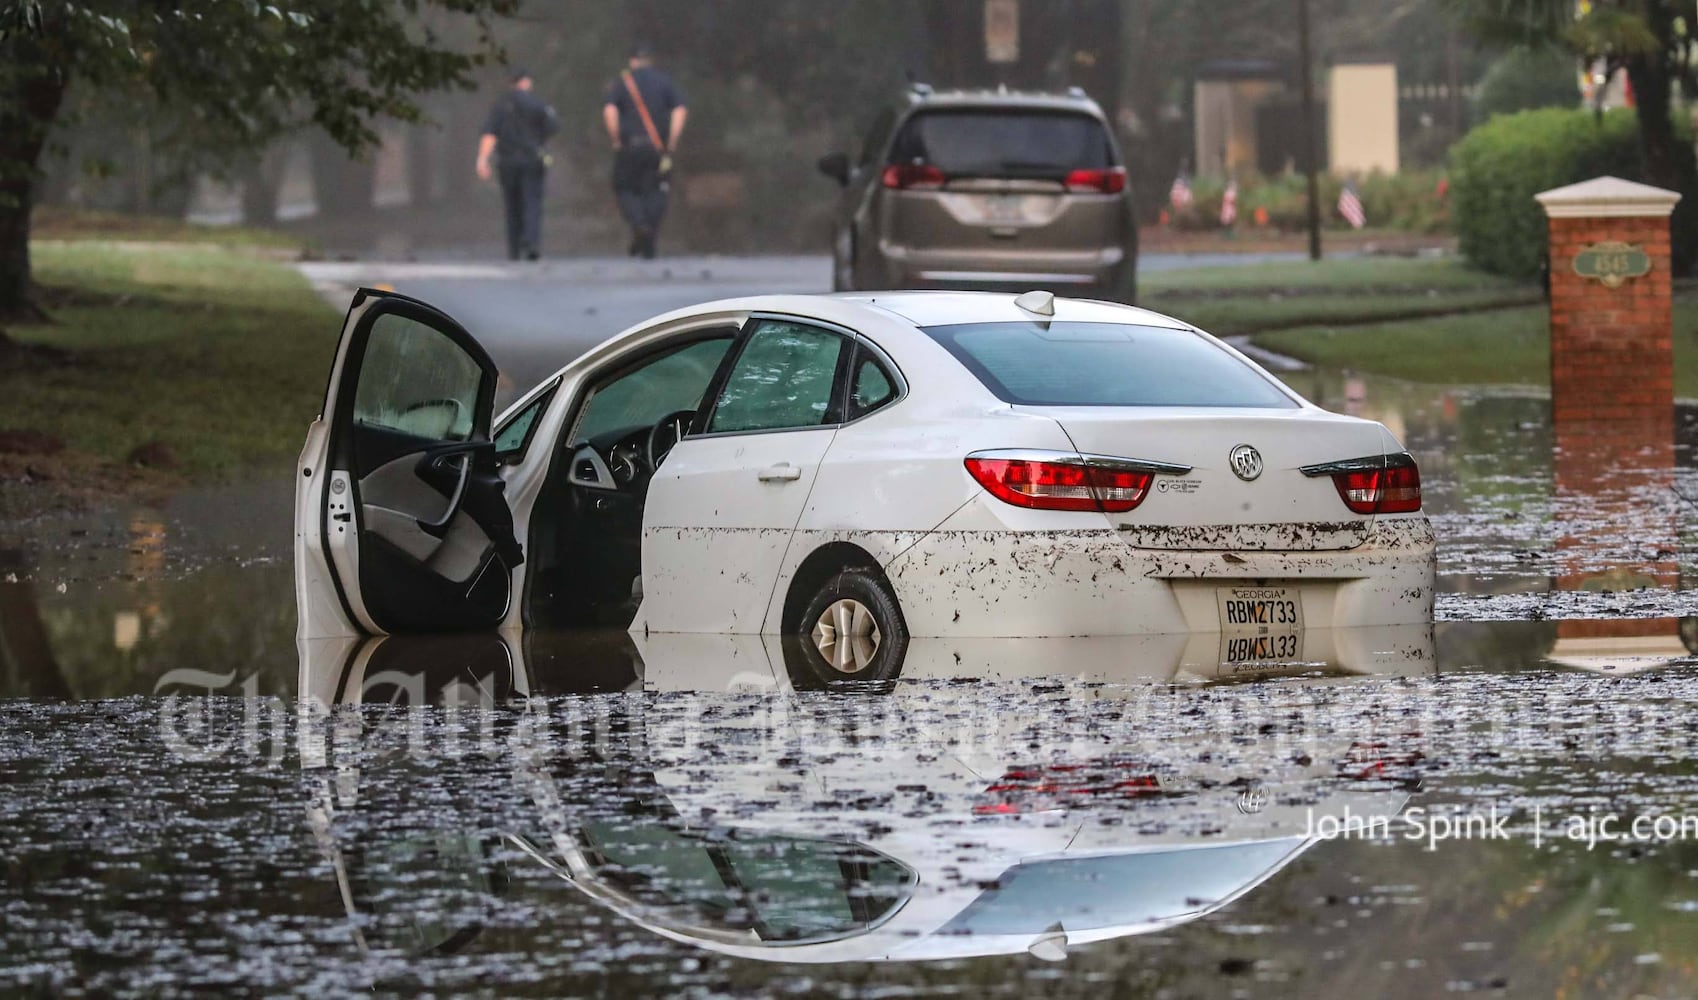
x: 1504, y: 804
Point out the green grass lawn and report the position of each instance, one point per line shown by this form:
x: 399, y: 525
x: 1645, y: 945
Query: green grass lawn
x: 1501, y: 346
x: 1228, y: 315
x: 1406, y: 274
x: 52, y: 223
x: 219, y: 355
x: 1425, y: 319
x: 1285, y: 294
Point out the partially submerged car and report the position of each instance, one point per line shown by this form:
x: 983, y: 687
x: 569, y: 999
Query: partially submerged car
x: 856, y: 469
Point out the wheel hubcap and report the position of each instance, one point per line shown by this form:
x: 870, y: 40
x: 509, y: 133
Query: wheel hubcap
x: 847, y: 636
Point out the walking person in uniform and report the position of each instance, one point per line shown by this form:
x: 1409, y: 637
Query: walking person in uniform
x: 644, y: 114
x: 514, y: 133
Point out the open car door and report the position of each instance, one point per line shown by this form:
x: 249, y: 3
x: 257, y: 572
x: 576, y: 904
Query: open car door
x: 401, y: 524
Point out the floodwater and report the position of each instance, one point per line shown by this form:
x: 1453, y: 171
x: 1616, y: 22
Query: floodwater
x: 1503, y: 804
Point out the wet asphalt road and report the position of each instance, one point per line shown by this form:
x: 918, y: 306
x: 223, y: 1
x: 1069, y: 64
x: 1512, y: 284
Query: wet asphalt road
x: 534, y: 318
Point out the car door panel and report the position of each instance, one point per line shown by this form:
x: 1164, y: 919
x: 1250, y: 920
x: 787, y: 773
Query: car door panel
x: 724, y: 503
x: 401, y: 510
x: 718, y: 524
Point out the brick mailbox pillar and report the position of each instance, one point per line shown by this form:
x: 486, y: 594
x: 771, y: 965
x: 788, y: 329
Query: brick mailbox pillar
x: 1612, y: 392
x: 1612, y: 324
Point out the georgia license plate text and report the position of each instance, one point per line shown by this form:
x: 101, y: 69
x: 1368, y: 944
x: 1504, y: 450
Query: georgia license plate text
x: 1247, y: 609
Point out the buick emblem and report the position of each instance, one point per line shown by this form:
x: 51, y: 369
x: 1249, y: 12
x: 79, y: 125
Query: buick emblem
x: 1246, y: 462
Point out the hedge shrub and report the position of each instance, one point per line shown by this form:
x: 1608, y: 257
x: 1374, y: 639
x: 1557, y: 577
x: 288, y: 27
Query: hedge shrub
x: 1496, y: 169
x: 1524, y: 79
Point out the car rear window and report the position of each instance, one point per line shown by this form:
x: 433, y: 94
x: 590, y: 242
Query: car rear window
x: 1105, y: 364
x: 980, y: 142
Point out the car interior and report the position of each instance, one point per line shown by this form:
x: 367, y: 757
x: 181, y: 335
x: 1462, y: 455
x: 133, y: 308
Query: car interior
x: 586, y: 533
x: 586, y: 536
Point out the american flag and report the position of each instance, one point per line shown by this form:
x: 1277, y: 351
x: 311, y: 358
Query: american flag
x: 1229, y: 204
x: 1180, y: 194
x: 1350, y: 206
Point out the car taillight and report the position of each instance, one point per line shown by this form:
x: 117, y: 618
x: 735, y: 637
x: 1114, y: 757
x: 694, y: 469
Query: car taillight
x: 913, y: 176
x: 1380, y: 760
x: 1060, y: 485
x: 1381, y: 491
x: 1389, y: 484
x: 1110, y: 180
x: 1051, y: 787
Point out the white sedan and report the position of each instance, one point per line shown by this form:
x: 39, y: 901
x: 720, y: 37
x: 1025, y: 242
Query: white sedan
x: 854, y: 470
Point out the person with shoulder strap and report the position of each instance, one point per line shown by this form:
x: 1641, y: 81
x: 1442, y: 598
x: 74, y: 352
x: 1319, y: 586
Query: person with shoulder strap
x: 644, y: 114
x: 518, y: 126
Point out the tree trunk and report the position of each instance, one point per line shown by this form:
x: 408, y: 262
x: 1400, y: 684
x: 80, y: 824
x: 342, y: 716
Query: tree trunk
x: 27, y: 666
x: 1669, y: 162
x: 30, y: 95
x: 343, y: 187
x: 261, y: 177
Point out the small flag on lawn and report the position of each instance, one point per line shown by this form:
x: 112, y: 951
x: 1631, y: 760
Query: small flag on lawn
x: 1180, y: 194
x: 1229, y: 204
x: 1350, y: 206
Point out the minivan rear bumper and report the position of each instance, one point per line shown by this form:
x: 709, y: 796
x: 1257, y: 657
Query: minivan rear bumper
x: 1001, y: 268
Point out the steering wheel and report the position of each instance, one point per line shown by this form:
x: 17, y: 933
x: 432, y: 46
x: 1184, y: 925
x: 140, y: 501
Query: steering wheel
x: 666, y: 433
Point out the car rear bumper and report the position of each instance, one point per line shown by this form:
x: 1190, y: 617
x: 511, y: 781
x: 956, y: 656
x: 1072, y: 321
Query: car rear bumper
x: 1002, y: 268
x: 1090, y: 582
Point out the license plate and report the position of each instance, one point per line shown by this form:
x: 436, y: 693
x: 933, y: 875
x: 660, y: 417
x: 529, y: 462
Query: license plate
x: 1260, y: 610
x: 1242, y: 650
x: 1005, y: 210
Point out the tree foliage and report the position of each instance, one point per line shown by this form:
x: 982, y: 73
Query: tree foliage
x: 1497, y: 169
x: 248, y: 70
x: 1652, y: 41
x: 238, y: 73
x: 1528, y: 78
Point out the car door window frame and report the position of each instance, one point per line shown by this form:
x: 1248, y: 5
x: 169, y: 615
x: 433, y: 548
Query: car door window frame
x: 539, y: 401
x: 866, y: 350
x: 834, y: 414
x: 734, y: 331
x: 841, y: 405
x: 353, y: 367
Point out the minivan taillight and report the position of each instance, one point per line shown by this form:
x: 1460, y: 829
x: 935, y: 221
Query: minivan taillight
x: 1060, y: 485
x: 913, y: 176
x: 1109, y: 180
x: 1393, y: 490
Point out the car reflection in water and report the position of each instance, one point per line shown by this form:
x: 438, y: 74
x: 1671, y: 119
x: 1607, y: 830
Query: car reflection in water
x: 726, y: 807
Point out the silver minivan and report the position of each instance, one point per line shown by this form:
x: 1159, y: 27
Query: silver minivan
x: 986, y: 189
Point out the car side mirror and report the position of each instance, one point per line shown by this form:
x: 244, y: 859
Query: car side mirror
x: 836, y: 166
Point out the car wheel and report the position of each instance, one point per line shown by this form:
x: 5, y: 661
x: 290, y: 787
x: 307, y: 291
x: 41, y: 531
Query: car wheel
x: 853, y: 630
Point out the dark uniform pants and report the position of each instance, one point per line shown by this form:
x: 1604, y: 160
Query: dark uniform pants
x: 637, y: 186
x: 521, y: 191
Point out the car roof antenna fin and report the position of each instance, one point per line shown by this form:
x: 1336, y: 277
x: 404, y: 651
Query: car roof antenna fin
x: 1037, y: 302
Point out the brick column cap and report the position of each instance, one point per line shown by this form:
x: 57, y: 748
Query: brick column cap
x: 1607, y: 198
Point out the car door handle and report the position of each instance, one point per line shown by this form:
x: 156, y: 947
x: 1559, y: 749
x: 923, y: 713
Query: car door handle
x: 783, y: 472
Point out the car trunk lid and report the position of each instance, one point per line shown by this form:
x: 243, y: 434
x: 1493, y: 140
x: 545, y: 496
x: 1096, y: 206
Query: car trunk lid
x: 1246, y: 489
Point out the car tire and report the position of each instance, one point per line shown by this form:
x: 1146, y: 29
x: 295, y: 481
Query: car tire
x: 858, y: 605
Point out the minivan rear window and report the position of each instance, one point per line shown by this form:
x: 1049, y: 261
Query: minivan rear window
x: 1105, y: 364
x: 996, y: 143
